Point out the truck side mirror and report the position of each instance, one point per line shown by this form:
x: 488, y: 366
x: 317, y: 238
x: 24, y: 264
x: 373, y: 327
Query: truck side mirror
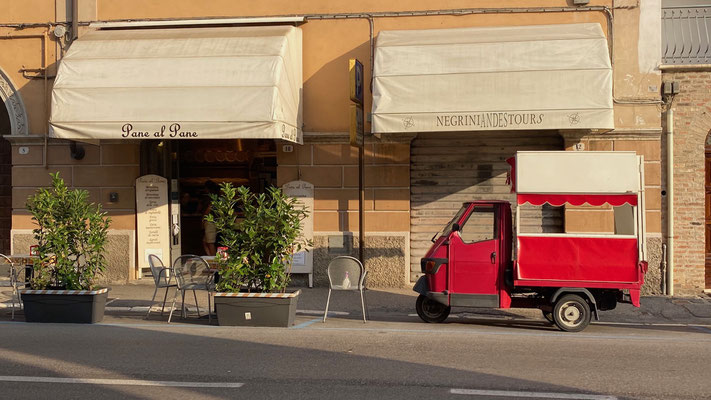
x: 455, y: 227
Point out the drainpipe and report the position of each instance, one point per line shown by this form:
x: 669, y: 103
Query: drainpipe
x: 670, y: 202
x: 75, y: 19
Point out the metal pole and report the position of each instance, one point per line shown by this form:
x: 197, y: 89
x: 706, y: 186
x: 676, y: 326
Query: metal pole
x: 361, y: 200
x: 670, y: 202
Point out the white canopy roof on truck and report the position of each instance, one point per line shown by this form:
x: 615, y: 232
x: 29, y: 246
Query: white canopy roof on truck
x: 574, y: 172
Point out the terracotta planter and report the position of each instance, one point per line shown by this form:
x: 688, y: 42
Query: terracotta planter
x: 256, y: 309
x: 72, y: 306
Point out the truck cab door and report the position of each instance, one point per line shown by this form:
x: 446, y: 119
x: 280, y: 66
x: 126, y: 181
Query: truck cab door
x: 474, y: 262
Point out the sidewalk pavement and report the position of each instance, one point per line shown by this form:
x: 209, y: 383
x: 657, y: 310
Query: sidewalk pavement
x: 132, y: 300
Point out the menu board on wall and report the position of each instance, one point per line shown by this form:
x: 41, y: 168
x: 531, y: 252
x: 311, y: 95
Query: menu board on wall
x: 303, y: 192
x: 153, y: 219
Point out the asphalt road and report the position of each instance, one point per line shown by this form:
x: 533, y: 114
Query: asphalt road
x: 346, y: 359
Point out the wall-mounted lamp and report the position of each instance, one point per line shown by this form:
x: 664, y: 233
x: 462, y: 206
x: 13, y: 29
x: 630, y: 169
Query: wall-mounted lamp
x: 76, y: 151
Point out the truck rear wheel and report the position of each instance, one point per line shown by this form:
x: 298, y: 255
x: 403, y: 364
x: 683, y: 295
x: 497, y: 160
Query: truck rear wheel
x: 571, y: 313
x: 548, y: 315
x: 430, y: 310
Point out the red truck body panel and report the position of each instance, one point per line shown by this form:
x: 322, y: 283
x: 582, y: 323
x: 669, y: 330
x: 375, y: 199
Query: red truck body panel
x: 545, y: 261
x: 580, y: 259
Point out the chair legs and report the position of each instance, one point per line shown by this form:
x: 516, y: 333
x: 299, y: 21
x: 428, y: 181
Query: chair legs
x: 153, y: 299
x: 209, y: 309
x: 325, y: 313
x: 183, y: 309
x: 197, y: 306
x: 13, y: 302
x: 164, y: 299
x: 172, y: 307
x: 362, y: 303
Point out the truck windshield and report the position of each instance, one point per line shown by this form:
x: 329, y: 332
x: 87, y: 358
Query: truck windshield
x: 448, y: 228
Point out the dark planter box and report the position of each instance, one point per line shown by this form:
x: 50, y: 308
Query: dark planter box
x: 72, y: 306
x: 256, y: 309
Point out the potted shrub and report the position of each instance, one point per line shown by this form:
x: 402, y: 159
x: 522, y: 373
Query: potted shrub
x: 254, y: 270
x: 71, y: 236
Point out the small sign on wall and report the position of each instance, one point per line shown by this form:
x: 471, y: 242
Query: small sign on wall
x: 153, y: 219
x: 303, y: 192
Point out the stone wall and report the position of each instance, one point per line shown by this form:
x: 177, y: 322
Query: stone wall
x: 385, y: 257
x: 653, y: 280
x: 692, y: 121
x: 119, y: 254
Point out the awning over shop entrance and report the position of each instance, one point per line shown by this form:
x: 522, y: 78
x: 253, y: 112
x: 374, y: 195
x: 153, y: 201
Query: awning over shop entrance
x: 182, y: 83
x: 501, y: 78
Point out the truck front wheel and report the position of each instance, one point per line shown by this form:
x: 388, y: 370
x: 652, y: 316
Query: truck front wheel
x: 430, y: 310
x: 571, y: 313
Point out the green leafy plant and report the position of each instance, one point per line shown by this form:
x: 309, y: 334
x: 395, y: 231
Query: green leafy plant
x: 71, y: 237
x: 262, y: 244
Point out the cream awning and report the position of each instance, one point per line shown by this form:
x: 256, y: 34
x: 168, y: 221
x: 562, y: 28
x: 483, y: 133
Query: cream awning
x: 193, y: 83
x: 501, y: 78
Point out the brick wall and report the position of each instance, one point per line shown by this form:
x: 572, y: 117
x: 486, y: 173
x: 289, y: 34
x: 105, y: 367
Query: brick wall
x: 104, y: 169
x: 692, y: 122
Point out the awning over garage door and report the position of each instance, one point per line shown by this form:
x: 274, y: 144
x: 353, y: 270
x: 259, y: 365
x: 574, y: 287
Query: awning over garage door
x: 501, y: 78
x: 183, y: 83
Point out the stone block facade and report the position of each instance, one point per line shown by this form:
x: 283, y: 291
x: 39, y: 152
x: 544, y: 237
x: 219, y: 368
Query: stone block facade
x: 332, y: 167
x: 109, y: 168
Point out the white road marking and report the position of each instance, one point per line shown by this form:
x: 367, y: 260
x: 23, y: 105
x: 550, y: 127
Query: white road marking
x: 122, y: 382
x: 540, y: 395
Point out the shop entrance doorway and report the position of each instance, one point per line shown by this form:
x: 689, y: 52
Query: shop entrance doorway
x: 205, y: 164
x: 196, y: 168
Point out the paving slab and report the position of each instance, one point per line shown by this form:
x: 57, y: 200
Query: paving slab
x: 130, y: 302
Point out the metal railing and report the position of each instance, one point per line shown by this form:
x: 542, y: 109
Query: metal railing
x: 686, y: 33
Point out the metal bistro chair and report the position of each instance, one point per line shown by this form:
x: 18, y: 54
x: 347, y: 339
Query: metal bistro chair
x: 346, y: 273
x: 161, y: 279
x: 192, y: 273
x: 10, y: 277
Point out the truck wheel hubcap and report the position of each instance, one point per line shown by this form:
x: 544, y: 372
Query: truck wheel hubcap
x: 571, y: 314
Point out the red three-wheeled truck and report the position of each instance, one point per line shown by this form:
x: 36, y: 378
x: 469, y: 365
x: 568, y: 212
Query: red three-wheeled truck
x: 568, y: 276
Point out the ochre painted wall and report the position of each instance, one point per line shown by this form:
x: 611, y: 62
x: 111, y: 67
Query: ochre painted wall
x: 328, y: 44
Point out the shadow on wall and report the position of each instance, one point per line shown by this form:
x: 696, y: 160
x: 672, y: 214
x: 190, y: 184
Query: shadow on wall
x: 5, y: 180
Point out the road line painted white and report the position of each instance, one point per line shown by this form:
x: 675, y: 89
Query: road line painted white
x: 121, y: 382
x: 538, y: 395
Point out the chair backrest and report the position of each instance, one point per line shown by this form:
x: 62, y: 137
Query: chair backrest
x: 343, y: 266
x: 157, y: 266
x: 7, y: 269
x: 190, y: 268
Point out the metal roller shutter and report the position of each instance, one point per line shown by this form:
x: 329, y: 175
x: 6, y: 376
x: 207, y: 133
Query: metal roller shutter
x: 447, y: 169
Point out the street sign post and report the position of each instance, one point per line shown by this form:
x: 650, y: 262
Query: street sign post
x: 356, y: 125
x: 355, y: 71
x: 357, y: 128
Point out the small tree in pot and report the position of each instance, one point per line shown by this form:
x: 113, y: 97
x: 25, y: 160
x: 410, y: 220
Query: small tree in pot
x: 71, y: 236
x: 259, y: 251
